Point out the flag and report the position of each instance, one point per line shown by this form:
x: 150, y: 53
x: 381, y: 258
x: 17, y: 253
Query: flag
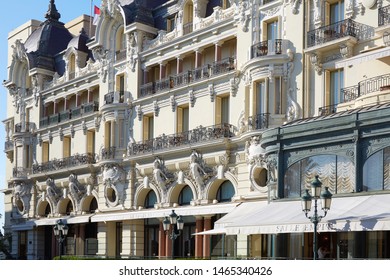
x: 96, y: 12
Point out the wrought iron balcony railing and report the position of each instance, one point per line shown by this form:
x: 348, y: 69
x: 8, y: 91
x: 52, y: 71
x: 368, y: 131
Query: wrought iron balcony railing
x: 69, y: 114
x: 24, y: 127
x: 206, y: 71
x: 108, y: 153
x: 194, y: 136
x: 259, y: 121
x: 384, y: 16
x: 327, y: 110
x: 120, y: 55
x: 367, y: 86
x: 64, y: 163
x: 20, y: 172
x: 114, y: 97
x: 333, y: 31
x: 267, y: 47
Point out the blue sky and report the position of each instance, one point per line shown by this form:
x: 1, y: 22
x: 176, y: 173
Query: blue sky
x: 16, y: 13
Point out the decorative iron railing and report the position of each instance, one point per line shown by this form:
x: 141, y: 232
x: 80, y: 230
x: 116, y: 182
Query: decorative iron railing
x: 333, y: 31
x: 327, y: 110
x: 367, y: 86
x: 259, y: 121
x: 24, y: 127
x: 384, y: 16
x: 108, y: 153
x: 64, y: 163
x: 120, y: 55
x: 114, y: 97
x: 188, y: 28
x: 206, y: 71
x: 194, y: 136
x: 20, y: 172
x: 70, y: 114
x: 267, y: 47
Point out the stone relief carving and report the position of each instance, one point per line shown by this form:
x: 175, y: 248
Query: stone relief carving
x: 199, y: 172
x: 113, y: 178
x: 162, y: 178
x: 101, y: 55
x: 242, y: 14
x: 132, y: 50
x: 21, y: 194
x: 53, y: 193
x: 76, y: 190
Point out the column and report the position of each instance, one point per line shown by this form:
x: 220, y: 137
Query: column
x: 81, y: 242
x: 179, y: 67
x: 206, y: 238
x: 55, y: 109
x: 198, y: 58
x: 78, y: 99
x: 218, y: 51
x: 126, y: 239
x: 161, y: 241
x: 163, y: 66
x: 146, y: 75
x: 199, y: 238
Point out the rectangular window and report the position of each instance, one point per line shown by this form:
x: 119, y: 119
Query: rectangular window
x: 182, y: 119
x: 67, y: 147
x: 222, y: 110
x: 120, y: 87
x: 260, y: 99
x: 45, y: 151
x: 107, y: 135
x: 91, y: 142
x: 336, y: 84
x: 148, y: 127
x: 334, y: 11
x: 171, y: 23
x: 272, y: 30
x: 280, y: 101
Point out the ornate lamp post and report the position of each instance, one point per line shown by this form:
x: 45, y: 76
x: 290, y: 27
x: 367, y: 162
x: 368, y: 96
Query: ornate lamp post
x: 60, y: 231
x: 326, y: 199
x: 177, y: 227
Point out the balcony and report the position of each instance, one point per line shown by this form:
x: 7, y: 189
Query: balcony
x: 114, y: 97
x: 65, y: 163
x: 373, y: 90
x: 205, y: 72
x: 20, y: 172
x: 71, y: 114
x: 259, y: 121
x: 196, y: 136
x: 120, y: 55
x: 384, y: 16
x: 24, y: 127
x: 342, y: 29
x: 108, y: 153
x: 270, y: 47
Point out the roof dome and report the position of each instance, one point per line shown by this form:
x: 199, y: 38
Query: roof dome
x: 47, y: 41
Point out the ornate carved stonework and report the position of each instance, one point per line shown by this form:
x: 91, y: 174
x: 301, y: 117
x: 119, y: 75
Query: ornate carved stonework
x: 21, y: 194
x: 162, y: 178
x: 113, y: 179
x: 76, y: 190
x: 53, y: 194
x: 199, y: 172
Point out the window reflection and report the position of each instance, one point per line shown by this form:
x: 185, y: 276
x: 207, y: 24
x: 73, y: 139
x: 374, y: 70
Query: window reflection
x: 336, y: 172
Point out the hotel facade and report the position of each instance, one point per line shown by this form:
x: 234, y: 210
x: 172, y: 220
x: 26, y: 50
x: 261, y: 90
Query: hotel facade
x: 223, y: 111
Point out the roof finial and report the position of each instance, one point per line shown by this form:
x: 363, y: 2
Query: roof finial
x: 52, y: 13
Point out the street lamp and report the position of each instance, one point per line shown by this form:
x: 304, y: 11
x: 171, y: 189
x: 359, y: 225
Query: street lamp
x: 326, y: 199
x: 60, y: 231
x: 177, y: 227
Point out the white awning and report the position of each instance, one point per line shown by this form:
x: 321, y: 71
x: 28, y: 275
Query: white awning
x: 364, y: 57
x: 353, y: 213
x: 161, y: 213
x: 216, y: 231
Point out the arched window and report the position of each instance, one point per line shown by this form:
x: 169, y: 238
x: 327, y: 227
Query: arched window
x: 47, y: 210
x: 225, y: 192
x: 188, y: 17
x: 69, y: 208
x: 150, y: 200
x: 335, y: 172
x: 93, y: 206
x: 185, y: 196
x: 376, y: 171
x: 72, y: 66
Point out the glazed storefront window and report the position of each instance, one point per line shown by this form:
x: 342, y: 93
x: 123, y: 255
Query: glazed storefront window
x: 335, y: 172
x: 376, y: 171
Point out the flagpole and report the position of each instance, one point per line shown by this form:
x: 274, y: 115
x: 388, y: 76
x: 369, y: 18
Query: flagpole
x: 90, y: 21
